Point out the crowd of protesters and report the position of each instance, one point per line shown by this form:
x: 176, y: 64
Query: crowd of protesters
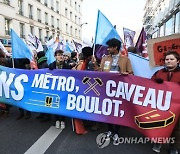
x: 114, y: 63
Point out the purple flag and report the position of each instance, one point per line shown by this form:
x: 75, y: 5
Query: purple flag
x: 128, y: 37
x: 60, y: 46
x: 141, y: 43
x: 100, y: 51
x: 78, y: 46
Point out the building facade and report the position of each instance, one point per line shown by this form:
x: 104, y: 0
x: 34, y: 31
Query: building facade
x: 43, y: 18
x: 162, y: 17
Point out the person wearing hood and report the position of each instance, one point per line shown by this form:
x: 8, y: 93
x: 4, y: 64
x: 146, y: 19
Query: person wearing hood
x: 42, y: 63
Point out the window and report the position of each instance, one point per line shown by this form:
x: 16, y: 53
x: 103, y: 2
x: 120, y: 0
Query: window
x: 75, y: 19
x: 76, y: 32
x: 169, y: 27
x: 30, y: 11
x: 66, y: 12
x: 52, y: 4
x: 22, y: 34
x: 79, y: 33
x: 52, y: 21
x: 39, y: 15
x: 47, y: 34
x: 53, y: 35
x: 155, y: 35
x: 161, y: 31
x: 177, y: 23
x: 32, y: 30
x: 75, y: 5
x: 57, y: 23
x: 57, y: 6
x: 46, y: 2
x: 67, y: 28
x: 7, y: 26
x: 40, y: 34
x: 71, y: 30
x: 79, y: 8
x: 79, y: 21
x: 46, y: 18
x: 20, y: 6
x: 71, y: 16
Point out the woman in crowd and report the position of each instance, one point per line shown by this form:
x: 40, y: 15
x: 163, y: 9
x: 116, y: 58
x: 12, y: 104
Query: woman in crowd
x: 171, y: 73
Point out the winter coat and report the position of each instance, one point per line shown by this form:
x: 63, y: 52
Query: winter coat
x: 123, y: 63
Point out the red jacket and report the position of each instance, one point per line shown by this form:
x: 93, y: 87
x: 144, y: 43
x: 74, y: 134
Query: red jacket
x: 172, y: 76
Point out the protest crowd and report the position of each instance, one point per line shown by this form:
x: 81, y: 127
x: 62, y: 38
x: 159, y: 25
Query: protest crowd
x: 113, y: 59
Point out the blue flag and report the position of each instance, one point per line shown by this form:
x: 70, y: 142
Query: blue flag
x: 19, y: 48
x: 104, y: 30
x: 141, y: 66
x: 50, y: 55
x: 68, y: 47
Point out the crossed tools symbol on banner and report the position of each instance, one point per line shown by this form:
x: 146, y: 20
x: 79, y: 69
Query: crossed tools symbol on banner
x: 92, y: 86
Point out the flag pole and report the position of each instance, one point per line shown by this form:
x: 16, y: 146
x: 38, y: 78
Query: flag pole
x: 13, y: 62
x: 76, y: 50
x: 13, y: 65
x: 95, y: 34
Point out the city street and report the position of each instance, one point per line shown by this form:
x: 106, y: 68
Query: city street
x: 32, y: 136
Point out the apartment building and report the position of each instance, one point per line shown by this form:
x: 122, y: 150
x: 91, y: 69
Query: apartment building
x: 162, y: 17
x: 43, y: 18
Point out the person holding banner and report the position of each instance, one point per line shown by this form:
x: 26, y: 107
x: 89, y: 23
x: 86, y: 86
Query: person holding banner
x: 171, y: 73
x: 22, y: 63
x: 59, y: 64
x: 42, y: 63
x: 115, y: 63
x: 86, y: 62
x: 4, y: 108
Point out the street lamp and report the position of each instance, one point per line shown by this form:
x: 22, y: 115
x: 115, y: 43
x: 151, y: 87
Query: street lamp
x: 85, y: 23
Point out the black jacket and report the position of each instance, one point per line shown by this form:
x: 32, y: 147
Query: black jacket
x: 42, y: 63
x: 53, y: 66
